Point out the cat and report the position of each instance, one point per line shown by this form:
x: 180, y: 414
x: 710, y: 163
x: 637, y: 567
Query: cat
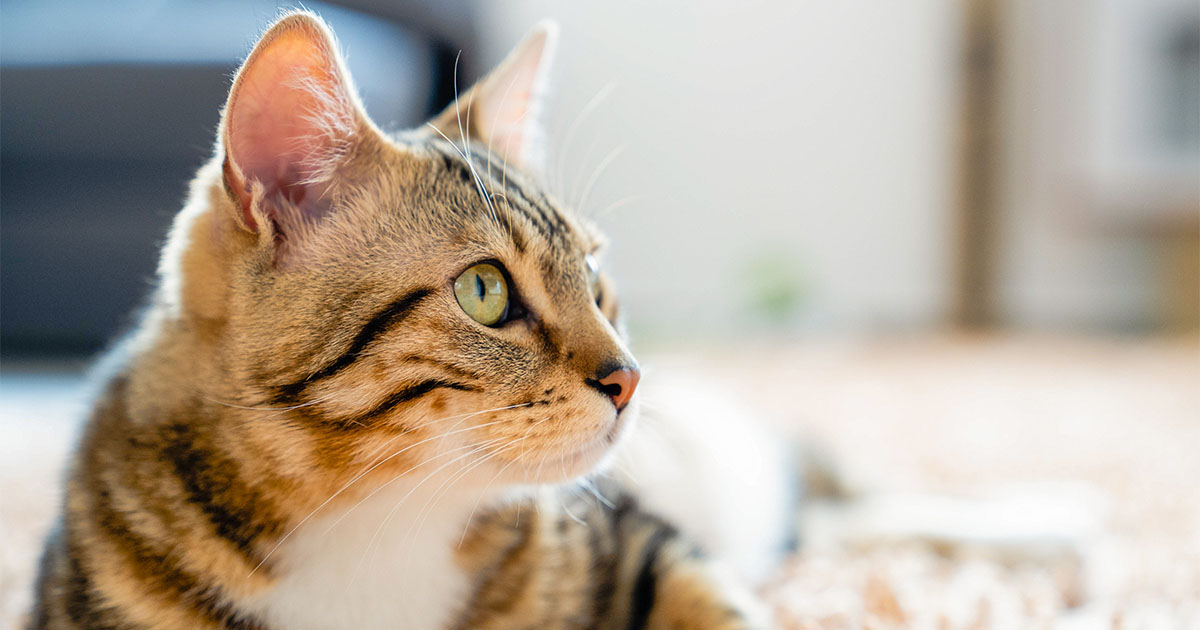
x: 374, y: 387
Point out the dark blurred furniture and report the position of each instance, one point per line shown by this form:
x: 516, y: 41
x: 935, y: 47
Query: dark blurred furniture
x: 106, y: 111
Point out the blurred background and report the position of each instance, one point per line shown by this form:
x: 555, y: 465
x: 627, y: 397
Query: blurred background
x: 850, y: 167
x: 976, y: 221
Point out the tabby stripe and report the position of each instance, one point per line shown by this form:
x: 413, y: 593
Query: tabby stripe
x: 484, y: 162
x: 453, y: 164
x: 542, y: 205
x: 646, y: 584
x: 517, y: 238
x: 410, y: 394
x: 536, y: 216
x: 443, y: 365
x: 234, y: 509
x: 155, y: 567
x: 82, y: 603
x: 548, y: 224
x: 549, y: 346
x: 509, y: 574
x: 47, y: 569
x: 536, y: 221
x: 603, y: 571
x: 531, y: 211
x: 378, y: 324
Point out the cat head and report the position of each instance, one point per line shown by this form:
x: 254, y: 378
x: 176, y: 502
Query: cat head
x: 420, y: 284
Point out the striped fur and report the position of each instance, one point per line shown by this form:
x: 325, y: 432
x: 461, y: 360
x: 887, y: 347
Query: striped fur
x: 303, y: 376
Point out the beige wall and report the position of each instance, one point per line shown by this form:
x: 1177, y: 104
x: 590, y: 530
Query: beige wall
x: 814, y: 134
x: 819, y: 137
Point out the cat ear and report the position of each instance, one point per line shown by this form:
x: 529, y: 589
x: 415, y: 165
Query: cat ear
x: 503, y: 110
x: 290, y: 120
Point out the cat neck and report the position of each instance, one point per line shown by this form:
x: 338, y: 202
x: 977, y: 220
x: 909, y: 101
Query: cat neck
x: 389, y: 560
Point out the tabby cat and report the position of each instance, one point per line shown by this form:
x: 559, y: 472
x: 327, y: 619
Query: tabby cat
x: 370, y: 388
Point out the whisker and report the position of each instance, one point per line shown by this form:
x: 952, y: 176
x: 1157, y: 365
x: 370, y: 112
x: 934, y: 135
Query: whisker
x: 504, y: 172
x: 575, y: 183
x: 483, y: 493
x: 426, y: 509
x: 504, y: 168
x: 450, y: 481
x: 626, y: 468
x: 541, y: 463
x: 390, y: 514
x: 377, y: 490
x: 271, y: 412
x: 479, y: 187
x: 616, y: 205
x: 586, y: 111
x: 496, y: 117
x: 262, y: 408
x: 571, y: 514
x: 461, y: 418
x: 466, y: 139
x: 457, y: 112
x: 380, y: 463
x: 587, y: 190
x: 590, y: 485
x: 483, y: 191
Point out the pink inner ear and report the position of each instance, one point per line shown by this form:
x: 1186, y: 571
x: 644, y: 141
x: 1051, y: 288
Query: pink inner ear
x: 288, y: 112
x: 509, y: 99
x: 503, y: 119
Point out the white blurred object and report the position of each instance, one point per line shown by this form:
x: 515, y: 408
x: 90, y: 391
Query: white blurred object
x: 713, y: 466
x: 709, y: 465
x: 1028, y: 520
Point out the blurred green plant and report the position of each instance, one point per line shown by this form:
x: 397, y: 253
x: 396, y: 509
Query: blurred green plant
x: 776, y: 285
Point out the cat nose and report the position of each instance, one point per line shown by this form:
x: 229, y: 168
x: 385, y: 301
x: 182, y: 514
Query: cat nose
x: 618, y: 384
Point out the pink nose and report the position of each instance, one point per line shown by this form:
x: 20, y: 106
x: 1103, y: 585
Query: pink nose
x: 619, y: 385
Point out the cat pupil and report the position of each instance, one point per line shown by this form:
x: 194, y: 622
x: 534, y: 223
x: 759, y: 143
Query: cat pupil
x: 479, y: 285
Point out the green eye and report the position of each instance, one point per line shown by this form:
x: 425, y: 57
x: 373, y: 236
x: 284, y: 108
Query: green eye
x: 482, y: 293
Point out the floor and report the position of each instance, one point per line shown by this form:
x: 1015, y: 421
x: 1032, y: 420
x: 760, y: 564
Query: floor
x: 41, y: 404
x: 1111, y: 427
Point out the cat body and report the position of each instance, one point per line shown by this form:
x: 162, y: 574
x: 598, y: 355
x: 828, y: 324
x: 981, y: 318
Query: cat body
x: 370, y: 387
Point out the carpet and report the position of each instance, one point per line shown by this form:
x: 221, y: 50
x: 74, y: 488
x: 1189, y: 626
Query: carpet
x: 1110, y: 425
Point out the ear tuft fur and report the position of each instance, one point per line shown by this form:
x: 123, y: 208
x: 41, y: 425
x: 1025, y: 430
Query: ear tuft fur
x: 291, y: 119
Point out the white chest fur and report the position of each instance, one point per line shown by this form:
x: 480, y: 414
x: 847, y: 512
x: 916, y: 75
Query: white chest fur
x: 386, y: 563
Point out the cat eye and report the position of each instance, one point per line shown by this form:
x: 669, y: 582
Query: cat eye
x: 482, y: 292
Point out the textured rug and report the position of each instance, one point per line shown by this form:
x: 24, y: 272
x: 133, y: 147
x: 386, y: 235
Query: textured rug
x: 1109, y: 428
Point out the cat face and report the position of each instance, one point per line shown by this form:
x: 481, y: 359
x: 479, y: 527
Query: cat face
x: 415, y: 290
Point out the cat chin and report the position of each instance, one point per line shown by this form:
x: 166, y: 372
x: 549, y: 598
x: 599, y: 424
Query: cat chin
x: 555, y: 469
x: 574, y: 464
